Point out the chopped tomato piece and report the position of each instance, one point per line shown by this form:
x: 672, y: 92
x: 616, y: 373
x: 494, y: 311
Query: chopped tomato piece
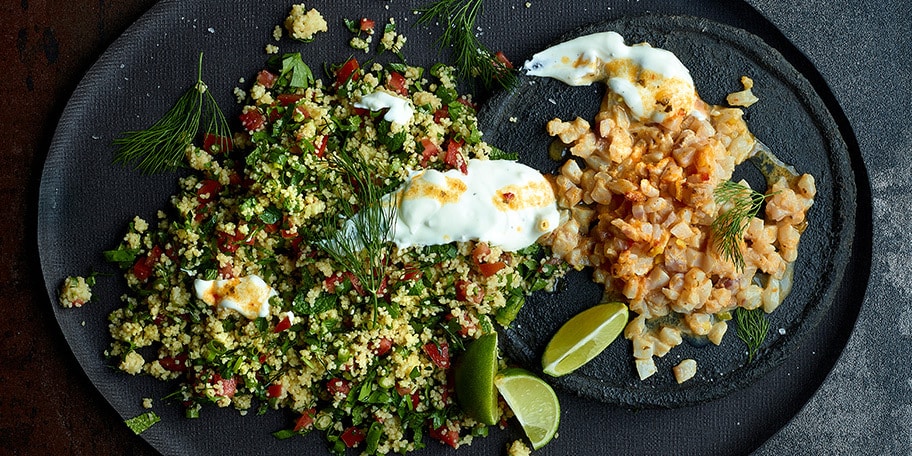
x: 142, y: 269
x: 439, y: 354
x: 411, y: 273
x: 216, y: 144
x: 465, y: 102
x: 462, y: 292
x: 285, y: 99
x: 442, y: 113
x: 174, y: 363
x: 489, y: 269
x: 383, y: 346
x: 480, y: 252
x: 454, y: 158
x: 366, y: 24
x: 266, y: 78
x: 348, y: 71
x: 320, y: 148
x: 274, y: 390
x: 445, y: 435
x: 252, y: 120
x: 431, y: 150
x: 282, y: 325
x: 356, y: 284
x: 332, y: 282
x: 502, y: 58
x: 208, y: 190
x: 229, y: 385
x: 352, y: 436
x: 306, y: 420
x: 415, y: 398
x: 338, y: 386
x: 397, y: 83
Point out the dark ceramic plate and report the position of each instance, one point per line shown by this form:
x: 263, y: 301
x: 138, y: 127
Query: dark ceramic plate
x: 790, y: 118
x: 85, y: 204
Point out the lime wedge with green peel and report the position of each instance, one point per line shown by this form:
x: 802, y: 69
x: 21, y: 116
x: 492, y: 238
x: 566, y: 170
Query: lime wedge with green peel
x: 533, y: 403
x: 474, y: 378
x: 583, y: 337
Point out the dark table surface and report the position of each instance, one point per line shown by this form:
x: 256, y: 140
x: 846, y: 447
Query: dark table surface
x: 862, y: 50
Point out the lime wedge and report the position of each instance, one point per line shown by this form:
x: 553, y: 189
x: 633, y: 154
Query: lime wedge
x: 474, y: 379
x: 583, y: 337
x: 532, y: 401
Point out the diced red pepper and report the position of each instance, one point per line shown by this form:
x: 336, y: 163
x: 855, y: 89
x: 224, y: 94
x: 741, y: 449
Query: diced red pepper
x: 439, y: 354
x: 445, y: 435
x: 266, y: 78
x: 454, y: 158
x: 252, y: 119
x: 366, y: 24
x: 274, y: 390
x: 352, y: 436
x: 489, y: 269
x: 174, y: 363
x: 282, y: 325
x: 338, y: 386
x: 397, y: 83
x: 348, y: 71
x: 306, y: 420
x: 502, y: 58
x: 216, y: 144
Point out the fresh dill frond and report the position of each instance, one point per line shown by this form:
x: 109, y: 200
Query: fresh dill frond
x: 358, y: 236
x: 473, y: 59
x: 162, y: 146
x: 739, y: 204
x: 752, y: 329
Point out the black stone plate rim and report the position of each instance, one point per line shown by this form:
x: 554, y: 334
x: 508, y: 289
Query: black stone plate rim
x: 497, y: 110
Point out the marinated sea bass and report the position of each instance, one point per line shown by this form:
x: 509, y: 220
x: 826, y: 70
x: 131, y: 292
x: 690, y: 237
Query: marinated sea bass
x: 648, y: 200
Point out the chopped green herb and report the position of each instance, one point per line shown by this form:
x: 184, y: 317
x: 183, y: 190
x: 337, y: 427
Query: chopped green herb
x: 142, y: 423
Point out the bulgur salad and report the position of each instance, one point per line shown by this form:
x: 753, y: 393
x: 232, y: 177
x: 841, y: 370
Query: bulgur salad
x: 236, y: 290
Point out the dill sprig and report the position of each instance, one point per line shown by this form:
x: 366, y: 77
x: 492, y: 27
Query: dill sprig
x: 752, y: 329
x: 360, y: 244
x: 162, y: 146
x: 473, y: 59
x: 740, y: 204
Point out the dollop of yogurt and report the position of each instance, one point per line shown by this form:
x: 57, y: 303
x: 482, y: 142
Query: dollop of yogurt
x: 501, y: 202
x: 248, y: 295
x: 400, y: 110
x: 652, y: 82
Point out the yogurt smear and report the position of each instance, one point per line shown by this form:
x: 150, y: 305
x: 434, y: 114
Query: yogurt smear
x: 652, y: 82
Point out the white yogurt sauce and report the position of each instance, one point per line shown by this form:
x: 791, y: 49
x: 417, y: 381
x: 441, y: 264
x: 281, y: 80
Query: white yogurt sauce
x: 501, y: 202
x: 400, y: 109
x: 249, y: 295
x: 652, y: 82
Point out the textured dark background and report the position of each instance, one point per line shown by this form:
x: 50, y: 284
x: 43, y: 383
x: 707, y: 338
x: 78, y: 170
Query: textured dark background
x: 861, y: 49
